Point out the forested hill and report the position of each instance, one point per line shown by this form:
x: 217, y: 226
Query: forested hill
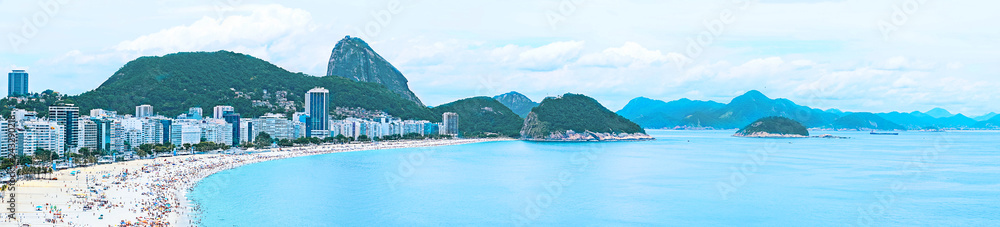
x: 574, y: 112
x: 176, y: 82
x: 481, y: 116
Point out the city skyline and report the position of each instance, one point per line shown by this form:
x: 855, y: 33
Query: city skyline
x: 861, y: 56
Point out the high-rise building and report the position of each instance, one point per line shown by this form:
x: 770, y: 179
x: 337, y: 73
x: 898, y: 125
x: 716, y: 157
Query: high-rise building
x: 220, y: 111
x: 40, y: 134
x: 317, y: 107
x: 194, y: 113
x: 275, y: 125
x: 88, y: 135
x: 234, y: 119
x: 144, y: 111
x: 450, y: 124
x: 68, y: 116
x: 17, y: 83
x: 107, y: 137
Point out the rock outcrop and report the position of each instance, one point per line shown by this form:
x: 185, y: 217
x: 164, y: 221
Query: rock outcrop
x: 352, y: 58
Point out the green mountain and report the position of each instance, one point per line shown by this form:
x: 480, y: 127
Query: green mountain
x: 520, y: 104
x: 479, y: 116
x: 176, y: 82
x: 774, y: 127
x: 865, y: 121
x: 574, y: 112
x: 352, y: 58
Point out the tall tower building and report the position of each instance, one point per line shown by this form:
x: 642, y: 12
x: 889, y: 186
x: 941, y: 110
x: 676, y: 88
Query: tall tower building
x: 144, y: 111
x: 234, y: 119
x: 69, y: 117
x: 450, y: 121
x: 220, y: 111
x: 317, y: 107
x: 17, y: 83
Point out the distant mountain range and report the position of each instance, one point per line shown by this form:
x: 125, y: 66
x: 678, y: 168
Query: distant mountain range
x: 520, y: 104
x: 753, y: 105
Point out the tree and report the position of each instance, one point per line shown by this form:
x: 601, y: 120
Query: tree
x: 341, y: 138
x: 363, y: 138
x: 187, y: 146
x: 263, y: 140
x: 285, y: 143
x: 43, y: 155
x: 24, y: 160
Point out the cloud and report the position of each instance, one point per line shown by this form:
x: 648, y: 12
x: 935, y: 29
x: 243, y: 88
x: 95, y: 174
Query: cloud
x: 263, y: 25
x: 549, y: 57
x: 630, y: 54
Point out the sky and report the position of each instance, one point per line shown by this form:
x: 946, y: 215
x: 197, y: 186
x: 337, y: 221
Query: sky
x: 864, y: 55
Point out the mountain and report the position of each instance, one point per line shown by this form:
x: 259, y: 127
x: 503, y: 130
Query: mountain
x: 754, y: 105
x: 837, y: 112
x: 939, y: 113
x: 587, y: 118
x: 352, y: 58
x: 740, y: 112
x: 774, y: 127
x: 520, y: 104
x: 865, y: 121
x: 992, y: 123
x: 175, y: 82
x: 479, y: 116
x: 985, y: 117
x: 651, y: 113
x: 958, y: 121
x: 911, y: 121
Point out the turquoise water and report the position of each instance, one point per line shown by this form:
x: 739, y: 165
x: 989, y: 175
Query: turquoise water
x: 685, y: 178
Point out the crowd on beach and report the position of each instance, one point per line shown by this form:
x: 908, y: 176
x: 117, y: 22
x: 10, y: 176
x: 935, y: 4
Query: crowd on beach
x: 153, y: 193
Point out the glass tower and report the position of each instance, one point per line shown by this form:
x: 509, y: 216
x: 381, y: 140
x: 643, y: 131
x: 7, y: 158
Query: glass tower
x: 17, y: 83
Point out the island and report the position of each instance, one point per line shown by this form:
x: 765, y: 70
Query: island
x: 774, y: 127
x: 575, y: 117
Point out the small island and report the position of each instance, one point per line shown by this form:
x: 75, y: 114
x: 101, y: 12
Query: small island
x: 774, y: 127
x: 574, y: 117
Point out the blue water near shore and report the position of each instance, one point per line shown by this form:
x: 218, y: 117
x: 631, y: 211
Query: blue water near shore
x: 685, y: 178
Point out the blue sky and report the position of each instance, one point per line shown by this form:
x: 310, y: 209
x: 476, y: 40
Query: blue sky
x: 877, y: 55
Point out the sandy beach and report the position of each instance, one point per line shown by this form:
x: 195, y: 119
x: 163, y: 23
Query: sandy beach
x: 151, y: 192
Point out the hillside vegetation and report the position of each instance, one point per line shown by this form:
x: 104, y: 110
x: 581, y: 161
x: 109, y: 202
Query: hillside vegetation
x: 575, y: 112
x: 482, y: 116
x: 176, y: 82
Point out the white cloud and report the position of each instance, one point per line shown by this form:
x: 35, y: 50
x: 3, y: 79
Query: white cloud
x: 550, y: 57
x: 630, y: 54
x: 262, y: 26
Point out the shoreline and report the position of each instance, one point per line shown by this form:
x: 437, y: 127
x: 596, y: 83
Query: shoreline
x: 153, y: 192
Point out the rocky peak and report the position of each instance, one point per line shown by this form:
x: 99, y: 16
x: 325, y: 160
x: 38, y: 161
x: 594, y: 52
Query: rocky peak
x: 520, y: 104
x: 352, y: 58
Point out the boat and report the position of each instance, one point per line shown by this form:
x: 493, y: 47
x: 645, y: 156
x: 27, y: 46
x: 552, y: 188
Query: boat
x: 885, y: 133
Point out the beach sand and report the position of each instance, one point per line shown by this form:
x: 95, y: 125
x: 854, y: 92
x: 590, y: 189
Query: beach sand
x: 150, y: 192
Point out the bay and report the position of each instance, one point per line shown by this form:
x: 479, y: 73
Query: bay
x: 684, y: 178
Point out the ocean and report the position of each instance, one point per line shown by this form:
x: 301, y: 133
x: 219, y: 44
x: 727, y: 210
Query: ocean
x: 684, y: 178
